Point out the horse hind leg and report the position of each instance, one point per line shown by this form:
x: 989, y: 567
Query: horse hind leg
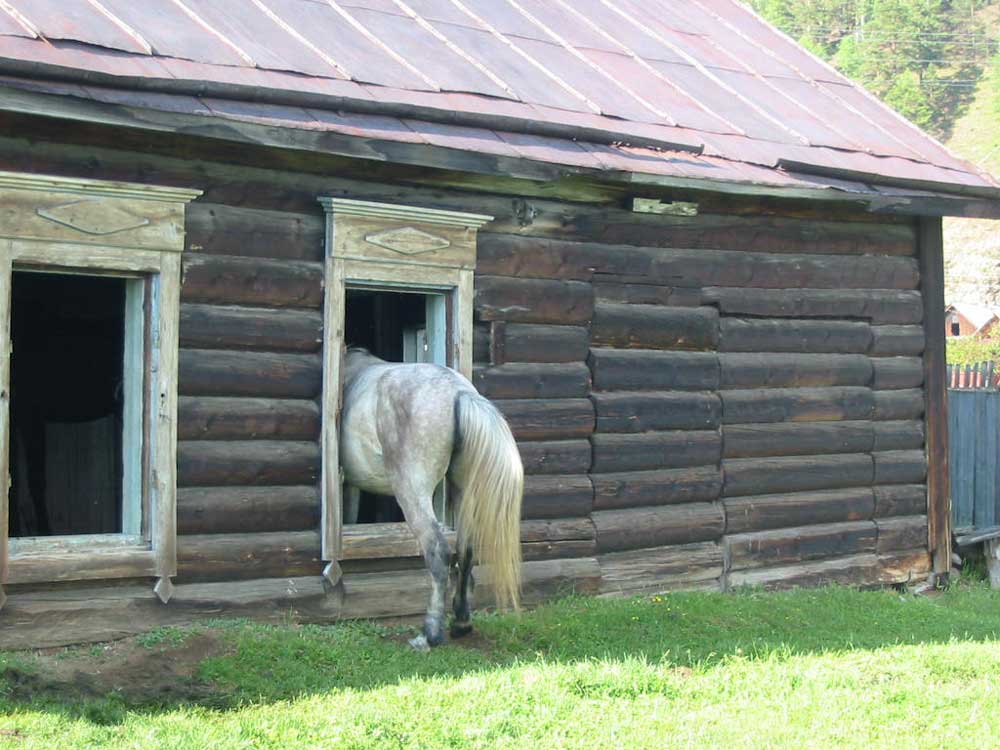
x: 462, y: 624
x: 419, y: 514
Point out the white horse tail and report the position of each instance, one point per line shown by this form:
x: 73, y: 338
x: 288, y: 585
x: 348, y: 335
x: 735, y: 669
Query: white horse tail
x: 491, y: 477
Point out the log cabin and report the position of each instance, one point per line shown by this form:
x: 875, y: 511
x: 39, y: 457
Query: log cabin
x: 698, y: 270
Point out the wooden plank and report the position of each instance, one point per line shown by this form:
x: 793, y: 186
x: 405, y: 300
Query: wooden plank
x: 371, y: 541
x: 898, y: 435
x: 963, y: 415
x: 5, y: 354
x: 389, y: 239
x: 331, y: 384
x: 655, y: 327
x: 765, y: 476
x: 164, y: 455
x: 557, y: 496
x: 224, y: 510
x: 89, y: 563
x: 646, y: 294
x: 639, y: 411
x: 794, y: 370
x: 880, y: 307
x: 796, y: 405
x: 901, y: 533
x: 207, y: 372
x: 900, y: 500
x: 660, y: 568
x: 218, y: 229
x: 797, y: 439
x: 897, y: 341
x: 655, y: 450
x: 655, y: 526
x: 533, y: 300
x: 539, y: 381
x: 215, y: 327
x: 897, y: 373
x: 534, y: 342
x: 661, y: 487
x: 853, y: 570
x: 215, y: 418
x: 206, y: 557
x: 793, y: 545
x: 555, y: 456
x: 647, y: 370
x: 255, y: 282
x: 909, y: 566
x: 744, y: 514
x: 262, y: 463
x: 898, y: 405
x: 555, y: 419
x: 900, y: 467
x: 794, y: 336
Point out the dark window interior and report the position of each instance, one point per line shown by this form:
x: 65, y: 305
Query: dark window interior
x: 956, y: 328
x: 66, y: 404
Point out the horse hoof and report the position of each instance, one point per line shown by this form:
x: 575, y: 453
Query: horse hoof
x: 460, y: 629
x: 419, y: 643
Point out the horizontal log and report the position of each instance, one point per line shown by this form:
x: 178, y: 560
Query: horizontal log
x: 901, y: 533
x: 766, y: 476
x: 899, y: 435
x: 533, y: 300
x: 557, y: 530
x: 897, y: 341
x: 880, y: 307
x: 231, y: 280
x: 642, y: 411
x: 482, y: 336
x: 763, y: 512
x: 222, y: 510
x: 373, y: 541
x: 537, y: 381
x: 634, y: 489
x: 205, y: 557
x: 852, y: 570
x: 555, y: 456
x: 796, y: 405
x: 655, y: 327
x: 646, y: 294
x: 656, y: 526
x: 660, y: 568
x: 568, y: 549
x: 533, y: 342
x: 541, y: 580
x: 209, y: 372
x: 61, y: 563
x: 648, y: 370
x: 554, y: 419
x: 784, y: 546
x: 214, y: 418
x: 796, y: 439
x: 262, y: 463
x: 557, y: 496
x: 900, y: 500
x: 907, y: 566
x: 900, y: 467
x: 899, y: 405
x: 794, y: 370
x: 218, y: 229
x: 655, y: 450
x: 791, y: 335
x: 897, y: 373
x: 216, y: 327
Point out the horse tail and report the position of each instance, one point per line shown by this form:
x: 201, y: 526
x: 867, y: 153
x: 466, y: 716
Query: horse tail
x: 491, y: 477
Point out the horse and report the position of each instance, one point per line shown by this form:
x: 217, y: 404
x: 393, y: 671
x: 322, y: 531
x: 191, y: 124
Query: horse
x: 407, y: 427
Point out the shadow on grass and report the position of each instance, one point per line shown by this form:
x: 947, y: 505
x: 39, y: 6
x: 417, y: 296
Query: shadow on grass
x: 241, y: 663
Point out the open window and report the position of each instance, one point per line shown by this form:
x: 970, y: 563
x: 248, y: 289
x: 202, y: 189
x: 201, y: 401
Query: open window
x: 89, y: 300
x: 399, y: 281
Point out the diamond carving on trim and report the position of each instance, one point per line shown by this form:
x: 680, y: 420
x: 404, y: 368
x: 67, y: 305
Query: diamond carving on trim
x: 408, y: 241
x: 95, y: 217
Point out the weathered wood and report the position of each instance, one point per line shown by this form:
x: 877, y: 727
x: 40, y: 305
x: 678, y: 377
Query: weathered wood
x: 791, y: 335
x: 896, y: 405
x: 660, y: 568
x: 555, y: 419
x: 371, y: 541
x: 853, y: 570
x: 909, y: 566
x: 765, y: 476
x: 655, y: 450
x: 557, y: 497
x: 638, y: 411
x: 648, y: 370
x: 88, y: 563
x: 900, y: 500
x: 794, y: 370
x: 880, y: 307
x: 216, y: 327
x: 897, y: 373
x: 646, y: 294
x: 901, y: 533
x: 555, y: 456
x: 208, y: 372
x: 225, y: 510
x: 902, y: 435
x: 664, y: 487
x: 209, y: 463
x: 557, y: 538
x: 214, y: 418
x: 796, y: 439
x: 533, y: 342
x: 900, y: 467
x: 897, y: 341
x: 541, y: 381
x: 655, y: 327
x: 783, y: 546
x: 796, y: 405
x: 232, y: 280
x: 533, y: 300
x: 655, y: 526
x: 481, y: 341
x: 455, y: 245
x: 206, y: 557
x: 744, y: 514
x: 218, y: 229
x: 541, y: 580
x: 6, y: 347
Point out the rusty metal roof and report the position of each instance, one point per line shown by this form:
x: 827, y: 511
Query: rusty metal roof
x: 699, y: 88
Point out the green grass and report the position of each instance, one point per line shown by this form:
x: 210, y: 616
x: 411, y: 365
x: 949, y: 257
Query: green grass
x: 805, y: 669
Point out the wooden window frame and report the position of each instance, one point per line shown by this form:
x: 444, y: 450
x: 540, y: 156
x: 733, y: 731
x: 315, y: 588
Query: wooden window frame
x: 76, y: 226
x: 385, y: 246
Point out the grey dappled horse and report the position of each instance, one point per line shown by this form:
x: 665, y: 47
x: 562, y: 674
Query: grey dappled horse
x: 404, y: 428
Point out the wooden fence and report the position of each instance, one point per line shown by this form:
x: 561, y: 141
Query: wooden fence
x: 974, y: 445
x: 979, y: 375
